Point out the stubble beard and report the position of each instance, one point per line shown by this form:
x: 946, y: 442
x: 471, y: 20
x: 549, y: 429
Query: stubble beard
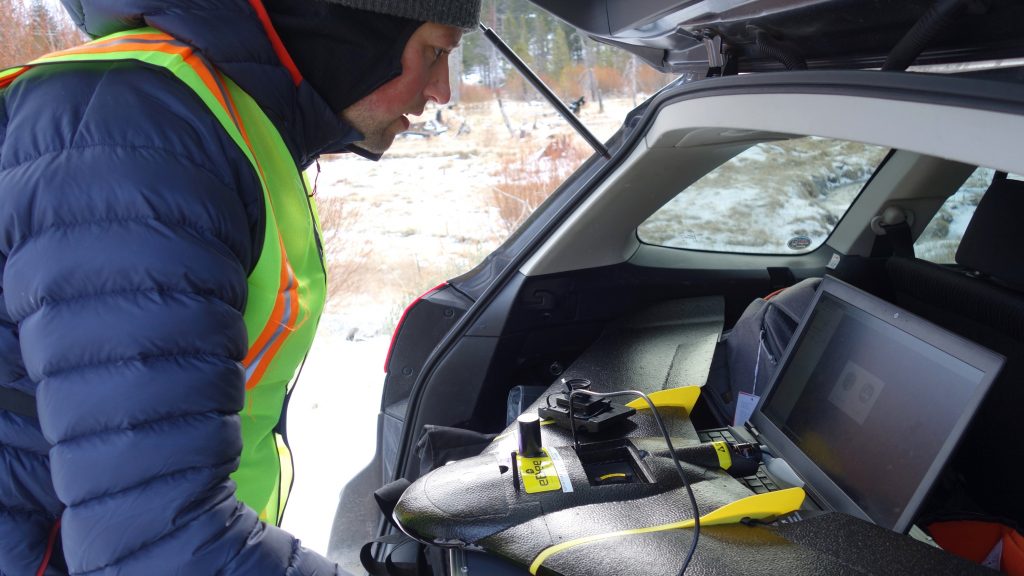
x: 378, y: 135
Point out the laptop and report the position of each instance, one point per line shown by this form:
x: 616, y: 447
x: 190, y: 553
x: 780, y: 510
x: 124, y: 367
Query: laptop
x: 866, y: 405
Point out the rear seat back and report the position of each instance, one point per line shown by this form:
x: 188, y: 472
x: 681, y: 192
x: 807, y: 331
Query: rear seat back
x: 984, y: 303
x: 992, y: 242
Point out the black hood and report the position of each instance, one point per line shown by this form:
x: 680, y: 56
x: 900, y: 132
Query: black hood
x: 236, y: 36
x: 343, y: 52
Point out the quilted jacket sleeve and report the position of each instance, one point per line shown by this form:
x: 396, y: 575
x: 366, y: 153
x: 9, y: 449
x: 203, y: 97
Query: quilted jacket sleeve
x: 129, y: 223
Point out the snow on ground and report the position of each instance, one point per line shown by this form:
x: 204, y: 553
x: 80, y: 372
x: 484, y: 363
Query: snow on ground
x: 417, y: 222
x: 332, y: 422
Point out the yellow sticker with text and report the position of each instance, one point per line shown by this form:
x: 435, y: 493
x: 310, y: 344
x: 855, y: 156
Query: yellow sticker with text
x: 724, y: 458
x: 539, y: 474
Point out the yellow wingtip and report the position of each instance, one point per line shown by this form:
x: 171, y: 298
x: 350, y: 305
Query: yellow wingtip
x: 757, y: 507
x: 684, y: 397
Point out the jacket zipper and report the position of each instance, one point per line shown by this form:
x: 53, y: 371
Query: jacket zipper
x: 316, y: 231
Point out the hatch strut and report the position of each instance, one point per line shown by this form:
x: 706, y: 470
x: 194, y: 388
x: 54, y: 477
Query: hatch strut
x: 550, y: 96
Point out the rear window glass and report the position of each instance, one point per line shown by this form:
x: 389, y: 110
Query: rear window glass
x: 781, y: 197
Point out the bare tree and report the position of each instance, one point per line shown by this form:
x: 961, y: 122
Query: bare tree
x: 455, y: 73
x: 589, y: 62
x: 631, y: 72
x: 31, y: 30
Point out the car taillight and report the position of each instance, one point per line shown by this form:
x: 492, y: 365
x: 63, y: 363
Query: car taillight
x: 398, y: 327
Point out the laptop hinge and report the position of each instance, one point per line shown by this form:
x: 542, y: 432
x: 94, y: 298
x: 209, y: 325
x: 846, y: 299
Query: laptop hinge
x: 753, y: 432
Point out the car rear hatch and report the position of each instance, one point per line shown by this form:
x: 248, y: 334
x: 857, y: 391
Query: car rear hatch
x: 760, y: 35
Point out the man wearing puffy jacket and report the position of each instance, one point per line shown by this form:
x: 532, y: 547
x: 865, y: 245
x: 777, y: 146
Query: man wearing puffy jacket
x: 162, y: 274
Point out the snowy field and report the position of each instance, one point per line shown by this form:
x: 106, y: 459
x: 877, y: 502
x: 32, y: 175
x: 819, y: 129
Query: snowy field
x: 764, y: 198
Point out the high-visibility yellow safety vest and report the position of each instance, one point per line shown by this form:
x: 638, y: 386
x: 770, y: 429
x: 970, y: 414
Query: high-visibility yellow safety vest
x: 287, y: 287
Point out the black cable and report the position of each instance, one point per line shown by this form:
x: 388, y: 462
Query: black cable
x: 939, y: 17
x: 671, y: 451
x: 515, y: 470
x: 769, y: 47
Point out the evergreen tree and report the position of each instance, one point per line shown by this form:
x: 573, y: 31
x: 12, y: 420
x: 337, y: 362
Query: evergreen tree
x: 476, y: 58
x: 561, y: 56
x: 568, y: 59
x: 542, y: 38
x: 519, y: 39
x: 590, y: 62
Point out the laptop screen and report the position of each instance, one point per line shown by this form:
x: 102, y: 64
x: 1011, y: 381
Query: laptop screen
x: 873, y: 400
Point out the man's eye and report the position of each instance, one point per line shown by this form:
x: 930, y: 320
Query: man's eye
x: 437, y: 54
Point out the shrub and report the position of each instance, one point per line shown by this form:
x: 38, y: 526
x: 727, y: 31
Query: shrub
x: 345, y: 254
x: 527, y: 179
x: 610, y: 80
x: 475, y: 94
x: 31, y: 30
x: 649, y: 80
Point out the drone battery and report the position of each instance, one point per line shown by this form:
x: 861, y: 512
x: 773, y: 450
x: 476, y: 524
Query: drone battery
x: 583, y: 406
x: 609, y: 416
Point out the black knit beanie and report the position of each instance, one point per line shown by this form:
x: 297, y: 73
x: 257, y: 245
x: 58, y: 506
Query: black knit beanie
x: 463, y: 14
x: 344, y: 54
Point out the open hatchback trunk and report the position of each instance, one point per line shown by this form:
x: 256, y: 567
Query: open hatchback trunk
x: 642, y: 271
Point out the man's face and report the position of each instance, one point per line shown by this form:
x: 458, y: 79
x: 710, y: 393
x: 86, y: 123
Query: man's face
x: 380, y: 116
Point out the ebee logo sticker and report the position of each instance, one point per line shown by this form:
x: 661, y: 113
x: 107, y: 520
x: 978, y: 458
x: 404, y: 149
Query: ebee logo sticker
x: 539, y: 474
x: 799, y: 243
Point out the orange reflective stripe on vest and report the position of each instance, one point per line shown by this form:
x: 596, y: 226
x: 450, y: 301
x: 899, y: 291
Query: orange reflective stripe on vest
x: 286, y: 288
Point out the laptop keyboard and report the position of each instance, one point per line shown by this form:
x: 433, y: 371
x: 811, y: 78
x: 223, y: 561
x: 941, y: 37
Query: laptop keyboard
x: 759, y: 483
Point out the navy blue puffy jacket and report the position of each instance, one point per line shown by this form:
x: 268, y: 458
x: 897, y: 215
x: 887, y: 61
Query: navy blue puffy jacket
x: 129, y: 222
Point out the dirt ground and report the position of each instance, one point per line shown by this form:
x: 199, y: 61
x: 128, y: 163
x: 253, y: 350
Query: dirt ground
x: 426, y: 212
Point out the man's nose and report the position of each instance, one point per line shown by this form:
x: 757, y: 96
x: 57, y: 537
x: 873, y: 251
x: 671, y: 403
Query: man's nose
x: 438, y: 88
